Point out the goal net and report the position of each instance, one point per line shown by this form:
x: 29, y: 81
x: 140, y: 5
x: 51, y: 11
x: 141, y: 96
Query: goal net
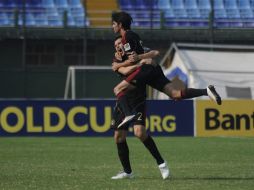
x: 90, y: 82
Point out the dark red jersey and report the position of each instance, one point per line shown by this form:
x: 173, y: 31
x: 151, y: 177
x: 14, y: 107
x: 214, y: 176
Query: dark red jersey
x: 132, y: 42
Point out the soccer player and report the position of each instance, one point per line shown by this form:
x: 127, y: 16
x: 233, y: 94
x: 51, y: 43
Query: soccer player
x: 149, y: 74
x: 120, y: 57
x: 136, y: 101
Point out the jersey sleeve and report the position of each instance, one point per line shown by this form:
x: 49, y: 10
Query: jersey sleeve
x: 132, y: 42
x: 129, y: 42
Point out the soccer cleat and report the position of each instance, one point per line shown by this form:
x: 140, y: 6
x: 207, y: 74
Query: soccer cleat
x: 126, y: 120
x: 123, y: 175
x: 164, y: 170
x: 213, y: 95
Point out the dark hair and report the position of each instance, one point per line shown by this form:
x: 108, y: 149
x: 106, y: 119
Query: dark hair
x: 117, y: 37
x: 124, y: 18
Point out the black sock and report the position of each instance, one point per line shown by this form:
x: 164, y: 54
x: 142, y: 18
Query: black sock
x: 151, y: 146
x: 123, y: 153
x: 192, y: 93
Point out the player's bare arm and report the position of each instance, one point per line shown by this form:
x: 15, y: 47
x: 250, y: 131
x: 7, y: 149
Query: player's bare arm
x: 126, y: 63
x: 137, y: 57
x: 129, y: 69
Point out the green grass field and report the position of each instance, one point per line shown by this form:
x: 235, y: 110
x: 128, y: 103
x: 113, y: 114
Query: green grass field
x: 89, y: 163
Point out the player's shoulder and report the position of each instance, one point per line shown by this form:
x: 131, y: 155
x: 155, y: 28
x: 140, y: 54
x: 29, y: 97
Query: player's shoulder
x: 130, y: 33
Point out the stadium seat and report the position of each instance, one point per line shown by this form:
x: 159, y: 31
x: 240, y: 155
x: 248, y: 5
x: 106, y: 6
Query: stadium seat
x: 230, y: 4
x: 125, y: 4
x: 204, y: 8
x: 252, y: 4
x: 19, y: 4
x: 246, y: 13
x: 180, y: 13
x: 82, y: 22
x: 177, y: 4
x: 75, y: 3
x: 51, y: 11
x: 234, y: 18
x: 35, y: 3
x: 70, y: 20
x: 147, y: 19
x: 55, y: 21
x: 138, y: 4
x: 152, y: 4
x: 61, y: 4
x: 29, y: 20
x: 192, y: 9
x: 181, y: 18
x: 77, y: 12
x: 4, y: 21
x: 244, y: 4
x: 204, y: 4
x: 41, y: 20
x: 220, y: 18
x: 163, y: 4
x: 218, y: 4
x: 76, y: 8
x: 248, y: 19
x: 154, y: 19
x: 9, y: 4
x: 195, y: 19
x: 48, y: 4
x: 191, y: 4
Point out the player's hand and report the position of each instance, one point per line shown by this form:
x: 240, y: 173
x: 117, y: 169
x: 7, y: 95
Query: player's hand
x: 133, y: 57
x: 118, y: 55
x: 115, y: 66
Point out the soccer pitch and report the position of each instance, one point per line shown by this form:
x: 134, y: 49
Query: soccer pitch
x: 89, y: 163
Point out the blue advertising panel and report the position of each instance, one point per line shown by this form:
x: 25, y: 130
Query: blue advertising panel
x: 89, y: 118
x: 170, y: 118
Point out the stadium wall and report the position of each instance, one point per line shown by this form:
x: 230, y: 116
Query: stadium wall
x: 89, y: 118
x: 34, y: 61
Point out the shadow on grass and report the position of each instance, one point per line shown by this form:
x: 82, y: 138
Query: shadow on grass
x: 212, y: 178
x: 201, y: 178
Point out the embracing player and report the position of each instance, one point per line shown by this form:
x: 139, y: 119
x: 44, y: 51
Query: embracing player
x: 150, y: 74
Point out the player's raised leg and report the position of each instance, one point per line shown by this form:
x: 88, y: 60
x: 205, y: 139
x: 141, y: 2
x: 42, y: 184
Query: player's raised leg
x: 213, y: 95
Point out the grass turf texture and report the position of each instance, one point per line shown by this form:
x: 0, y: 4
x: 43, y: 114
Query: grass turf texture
x: 89, y: 163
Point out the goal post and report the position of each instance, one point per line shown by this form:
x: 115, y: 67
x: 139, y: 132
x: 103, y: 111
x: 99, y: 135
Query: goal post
x: 70, y: 84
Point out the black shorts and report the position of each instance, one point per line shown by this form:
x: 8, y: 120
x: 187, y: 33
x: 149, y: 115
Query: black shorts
x: 149, y: 74
x: 137, y: 102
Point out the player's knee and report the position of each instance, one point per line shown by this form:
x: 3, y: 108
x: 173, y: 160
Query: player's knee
x: 176, y: 94
x: 119, y: 138
x: 140, y: 134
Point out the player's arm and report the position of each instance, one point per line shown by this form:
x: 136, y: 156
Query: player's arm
x: 137, y: 57
x: 126, y: 63
x: 146, y: 61
x: 129, y: 69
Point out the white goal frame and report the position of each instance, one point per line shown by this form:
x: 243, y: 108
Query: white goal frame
x: 71, y: 78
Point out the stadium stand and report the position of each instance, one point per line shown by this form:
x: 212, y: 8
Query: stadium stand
x: 43, y: 13
x: 99, y: 12
x: 146, y: 13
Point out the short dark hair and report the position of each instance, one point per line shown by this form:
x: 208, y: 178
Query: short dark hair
x: 117, y: 37
x: 124, y: 18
